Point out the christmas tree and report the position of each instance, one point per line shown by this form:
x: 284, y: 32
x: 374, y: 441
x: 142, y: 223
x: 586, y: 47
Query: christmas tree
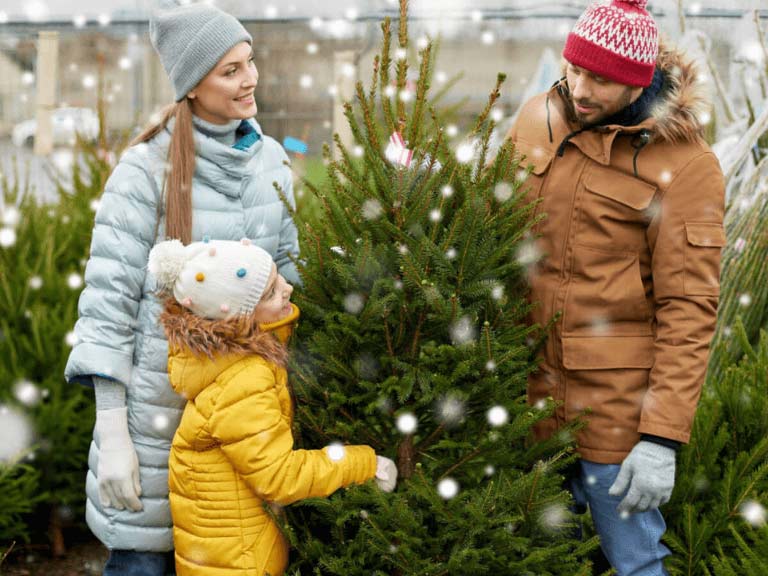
x: 413, y: 340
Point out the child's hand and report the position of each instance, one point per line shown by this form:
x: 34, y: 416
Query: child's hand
x: 386, y: 474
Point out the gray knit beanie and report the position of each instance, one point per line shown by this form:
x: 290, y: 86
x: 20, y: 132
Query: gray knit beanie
x: 191, y: 38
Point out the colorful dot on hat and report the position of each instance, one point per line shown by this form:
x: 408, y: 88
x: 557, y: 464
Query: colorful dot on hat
x: 245, y: 242
x: 225, y: 308
x: 241, y: 273
x: 212, y: 251
x: 206, y: 239
x: 187, y: 302
x: 199, y: 276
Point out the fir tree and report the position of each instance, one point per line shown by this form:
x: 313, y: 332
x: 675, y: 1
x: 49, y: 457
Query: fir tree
x: 721, y: 494
x: 413, y: 340
x: 41, y: 274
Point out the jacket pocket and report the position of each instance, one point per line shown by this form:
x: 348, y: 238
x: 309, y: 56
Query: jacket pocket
x: 619, y: 187
x: 607, y: 352
x: 605, y: 294
x: 701, y: 274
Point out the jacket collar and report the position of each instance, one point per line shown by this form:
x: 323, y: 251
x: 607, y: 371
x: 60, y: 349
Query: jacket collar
x: 218, y: 165
x: 190, y: 374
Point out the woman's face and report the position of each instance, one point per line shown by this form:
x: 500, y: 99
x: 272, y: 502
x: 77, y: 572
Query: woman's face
x: 226, y: 93
x: 275, y: 303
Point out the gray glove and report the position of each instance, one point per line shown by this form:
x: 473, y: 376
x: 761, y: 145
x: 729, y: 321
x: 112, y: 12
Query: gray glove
x: 649, y: 473
x: 118, y: 467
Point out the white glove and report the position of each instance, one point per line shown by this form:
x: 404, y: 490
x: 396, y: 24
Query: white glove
x: 386, y: 474
x: 649, y: 472
x: 118, y: 469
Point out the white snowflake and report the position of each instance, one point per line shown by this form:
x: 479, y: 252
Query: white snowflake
x: 405, y: 95
x: 463, y: 331
x: 16, y: 431
x: 306, y: 81
x: 358, y: 151
x: 11, y: 216
x: 497, y: 416
x: 26, y: 392
x: 490, y: 470
x: 754, y: 513
x: 422, y: 42
x: 527, y: 253
x: 312, y: 48
x: 441, y: 77
x: 503, y: 191
x: 270, y: 12
x: 160, y: 422
x: 35, y: 282
x: 490, y: 366
x: 104, y: 19
x: 89, y: 81
x: 400, y: 54
x: 450, y: 410
x: 465, y: 152
x: 497, y: 293
x: 74, y: 281
x: 497, y: 114
x: 407, y: 423
x: 450, y: 253
x: 435, y: 215
x: 488, y: 37
x: 71, y: 339
x: 554, y: 517
x: 452, y: 130
x: 477, y: 16
x: 125, y: 63
x: 354, y: 303
x: 446, y: 191
x: 745, y: 300
x: 447, y: 488
x: 7, y: 237
x: 336, y: 452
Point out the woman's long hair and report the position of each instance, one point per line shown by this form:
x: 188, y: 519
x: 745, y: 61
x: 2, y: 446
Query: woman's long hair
x: 181, y: 162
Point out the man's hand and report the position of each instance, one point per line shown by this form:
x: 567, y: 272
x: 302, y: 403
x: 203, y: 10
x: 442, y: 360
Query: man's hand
x: 649, y: 473
x: 118, y: 470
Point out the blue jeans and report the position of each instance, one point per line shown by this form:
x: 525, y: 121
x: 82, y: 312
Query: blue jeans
x: 135, y: 563
x: 632, y: 545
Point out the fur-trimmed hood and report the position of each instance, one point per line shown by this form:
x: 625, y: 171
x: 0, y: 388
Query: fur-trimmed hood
x: 200, y: 349
x: 677, y: 116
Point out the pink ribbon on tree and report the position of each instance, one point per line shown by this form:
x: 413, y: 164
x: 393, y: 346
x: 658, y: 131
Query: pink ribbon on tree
x: 396, y: 151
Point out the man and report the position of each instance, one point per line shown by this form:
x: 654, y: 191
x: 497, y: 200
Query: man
x: 630, y: 248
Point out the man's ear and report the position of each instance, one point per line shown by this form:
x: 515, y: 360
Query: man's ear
x: 191, y: 95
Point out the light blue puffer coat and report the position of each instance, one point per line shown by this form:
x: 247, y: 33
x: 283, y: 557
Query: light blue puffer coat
x: 118, y: 333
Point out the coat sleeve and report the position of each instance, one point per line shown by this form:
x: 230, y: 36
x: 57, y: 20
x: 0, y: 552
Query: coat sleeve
x: 288, y: 243
x: 685, y: 238
x: 256, y: 437
x: 123, y: 234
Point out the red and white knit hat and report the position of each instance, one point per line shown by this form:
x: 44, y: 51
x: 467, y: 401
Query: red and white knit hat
x: 616, y: 39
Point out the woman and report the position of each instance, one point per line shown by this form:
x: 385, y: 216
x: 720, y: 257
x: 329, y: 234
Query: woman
x: 204, y: 170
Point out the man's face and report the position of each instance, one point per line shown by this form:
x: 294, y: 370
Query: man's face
x: 594, y: 98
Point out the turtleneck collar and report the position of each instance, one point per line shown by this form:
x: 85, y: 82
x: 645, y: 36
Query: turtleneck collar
x: 223, y: 133
x: 640, y: 109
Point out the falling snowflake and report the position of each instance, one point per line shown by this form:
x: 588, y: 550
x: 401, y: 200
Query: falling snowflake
x: 754, y: 513
x: 70, y: 339
x: 527, y: 253
x: 312, y: 48
x: 477, y: 16
x: 488, y: 37
x: 745, y: 300
x: 497, y: 293
x: 441, y: 77
x: 160, y: 422
x: 36, y: 10
x: 79, y: 20
x: 74, y: 281
x: 354, y: 303
x: 405, y: 95
x: 540, y: 404
x: 452, y: 130
x: 450, y: 253
x: 503, y: 191
x: 89, y: 81
x: 358, y: 152
x: 554, y: 517
x: 11, y: 216
x: 665, y: 177
x: 490, y: 366
x: 403, y: 249
x: 422, y: 42
x: 125, y: 63
x: 306, y: 81
x: 351, y: 13
x: 591, y: 479
x: 270, y: 12
x: 446, y: 191
x: 400, y: 54
x: 465, y: 152
x: 497, y: 114
x: 407, y: 423
x: 335, y: 451
x: 95, y: 204
x: 372, y: 209
x: 7, y: 237
x: 450, y: 410
x: 16, y: 432
x: 490, y: 470
x: 398, y: 284
x: 104, y: 19
x: 497, y: 416
x: 26, y: 392
x: 447, y: 488
x: 35, y: 282
x: 463, y: 331
x: 435, y: 215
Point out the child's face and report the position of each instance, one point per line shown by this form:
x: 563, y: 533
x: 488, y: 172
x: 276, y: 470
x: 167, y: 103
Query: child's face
x: 275, y: 303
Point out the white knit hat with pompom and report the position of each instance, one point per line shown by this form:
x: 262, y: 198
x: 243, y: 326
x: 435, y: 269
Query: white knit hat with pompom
x: 215, y: 279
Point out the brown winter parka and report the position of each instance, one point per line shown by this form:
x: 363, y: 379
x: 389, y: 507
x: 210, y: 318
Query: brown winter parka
x: 630, y: 257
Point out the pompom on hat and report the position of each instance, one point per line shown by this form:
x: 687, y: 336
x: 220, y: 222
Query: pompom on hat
x: 216, y: 279
x: 191, y: 38
x: 616, y: 39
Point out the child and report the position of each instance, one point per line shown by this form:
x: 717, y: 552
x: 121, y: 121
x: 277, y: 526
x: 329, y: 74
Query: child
x: 227, y: 326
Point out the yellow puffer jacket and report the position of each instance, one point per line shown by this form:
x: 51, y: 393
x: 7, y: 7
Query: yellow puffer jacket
x: 233, y: 453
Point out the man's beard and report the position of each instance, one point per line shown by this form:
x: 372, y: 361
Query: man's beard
x: 624, y: 100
